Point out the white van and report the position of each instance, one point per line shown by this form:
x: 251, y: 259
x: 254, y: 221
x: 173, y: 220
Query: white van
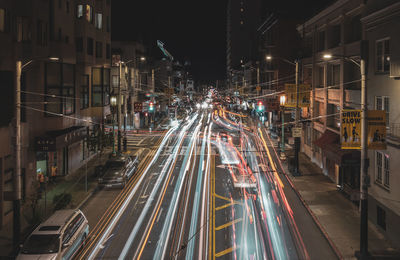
x: 59, y: 237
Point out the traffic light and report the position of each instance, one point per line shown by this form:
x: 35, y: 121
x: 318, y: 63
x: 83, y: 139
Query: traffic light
x: 151, y: 107
x: 260, y: 106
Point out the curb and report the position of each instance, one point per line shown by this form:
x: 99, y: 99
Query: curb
x: 86, y: 199
x: 316, y: 221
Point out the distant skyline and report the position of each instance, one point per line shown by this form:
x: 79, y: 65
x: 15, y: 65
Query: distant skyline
x: 191, y: 30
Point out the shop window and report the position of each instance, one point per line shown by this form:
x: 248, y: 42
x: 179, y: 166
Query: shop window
x: 382, y: 55
x: 381, y: 217
x: 84, y: 99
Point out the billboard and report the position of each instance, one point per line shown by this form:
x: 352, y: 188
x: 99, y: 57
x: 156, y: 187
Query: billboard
x: 376, y: 122
x: 304, y: 95
x: 350, y: 132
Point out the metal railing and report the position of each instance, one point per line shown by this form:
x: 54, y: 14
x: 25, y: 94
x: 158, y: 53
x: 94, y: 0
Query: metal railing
x: 394, y: 130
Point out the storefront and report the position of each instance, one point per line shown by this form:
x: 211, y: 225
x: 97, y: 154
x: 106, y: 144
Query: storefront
x: 342, y: 166
x: 59, y: 152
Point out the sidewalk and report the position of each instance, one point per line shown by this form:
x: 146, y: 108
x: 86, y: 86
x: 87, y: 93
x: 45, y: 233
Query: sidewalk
x: 74, y: 184
x: 337, y: 216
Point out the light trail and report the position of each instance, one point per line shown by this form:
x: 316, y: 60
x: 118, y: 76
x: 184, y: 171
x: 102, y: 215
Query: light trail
x: 154, y: 191
x: 124, y: 205
x: 166, y: 231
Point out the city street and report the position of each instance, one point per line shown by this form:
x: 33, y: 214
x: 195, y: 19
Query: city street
x: 214, y: 188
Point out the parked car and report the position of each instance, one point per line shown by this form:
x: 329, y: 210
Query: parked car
x: 117, y: 171
x: 59, y: 237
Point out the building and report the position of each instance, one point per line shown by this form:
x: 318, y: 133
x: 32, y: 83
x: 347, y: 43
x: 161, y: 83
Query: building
x: 243, y: 19
x: 380, y: 28
x: 335, y: 86
x: 64, y: 47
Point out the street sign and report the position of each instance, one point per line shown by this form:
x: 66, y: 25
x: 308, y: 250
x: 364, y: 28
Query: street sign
x: 296, y: 132
x: 138, y: 107
x: 350, y: 133
x: 376, y: 122
x: 304, y: 95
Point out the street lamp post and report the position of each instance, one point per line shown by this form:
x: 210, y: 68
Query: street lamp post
x: 283, y: 102
x: 297, y: 111
x: 17, y: 175
x: 364, y: 178
x: 113, y: 101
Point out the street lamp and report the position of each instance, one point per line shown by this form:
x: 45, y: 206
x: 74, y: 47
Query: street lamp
x: 364, y: 178
x: 283, y: 102
x: 17, y: 176
x: 297, y: 114
x: 113, y: 102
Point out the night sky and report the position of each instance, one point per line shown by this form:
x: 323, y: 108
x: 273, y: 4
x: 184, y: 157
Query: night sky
x: 191, y: 30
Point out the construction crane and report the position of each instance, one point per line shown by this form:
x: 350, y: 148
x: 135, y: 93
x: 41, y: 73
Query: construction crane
x: 160, y: 45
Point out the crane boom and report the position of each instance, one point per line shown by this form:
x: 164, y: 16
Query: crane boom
x: 160, y: 45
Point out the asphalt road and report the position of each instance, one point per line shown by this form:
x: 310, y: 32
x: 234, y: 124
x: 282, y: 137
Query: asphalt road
x: 213, y: 189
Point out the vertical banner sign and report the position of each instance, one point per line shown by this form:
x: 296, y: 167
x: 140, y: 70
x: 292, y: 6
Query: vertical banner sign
x: 350, y: 132
x: 376, y: 122
x: 304, y: 95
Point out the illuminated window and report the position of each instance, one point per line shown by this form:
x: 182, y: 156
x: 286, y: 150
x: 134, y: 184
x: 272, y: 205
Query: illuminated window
x: 98, y: 22
x: 241, y: 22
x: 241, y: 9
x: 89, y: 14
x: 2, y: 19
x: 79, y: 11
x: 382, y: 58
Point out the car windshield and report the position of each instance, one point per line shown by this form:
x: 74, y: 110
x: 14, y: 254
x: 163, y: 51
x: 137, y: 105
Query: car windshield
x: 41, y: 244
x: 115, y: 164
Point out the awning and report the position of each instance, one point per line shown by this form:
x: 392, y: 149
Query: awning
x: 329, y: 142
x: 54, y: 140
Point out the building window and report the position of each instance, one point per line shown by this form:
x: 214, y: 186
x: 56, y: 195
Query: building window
x: 382, y: 170
x: 382, y: 58
x: 79, y: 11
x: 60, y: 4
x: 68, y: 89
x: 59, y: 34
x: 41, y: 33
x: 84, y: 92
x: 321, y: 77
x: 381, y: 217
x: 89, y: 13
x: 317, y: 135
x: 99, y: 49
x: 106, y: 86
x: 89, y: 46
x: 2, y: 20
x: 382, y: 103
x: 23, y: 29
x: 67, y: 6
x: 79, y: 44
x: 108, y: 51
x: 334, y: 116
x: 321, y: 41
x: 108, y: 24
x: 98, y: 22
x: 53, y: 89
x: 334, y: 75
x: 335, y: 36
x: 97, y: 88
x: 115, y: 81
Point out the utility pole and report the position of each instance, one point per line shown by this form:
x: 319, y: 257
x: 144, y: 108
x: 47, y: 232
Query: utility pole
x: 297, y: 117
x: 17, y: 174
x: 169, y: 90
x: 364, y: 168
x: 119, y: 107
x: 258, y: 80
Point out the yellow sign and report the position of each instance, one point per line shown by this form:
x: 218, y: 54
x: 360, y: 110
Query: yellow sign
x: 376, y: 121
x: 304, y: 95
x: 350, y: 132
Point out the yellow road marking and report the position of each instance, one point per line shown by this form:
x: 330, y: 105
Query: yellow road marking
x: 228, y: 224
x: 226, y: 251
x: 213, y: 199
x: 225, y: 206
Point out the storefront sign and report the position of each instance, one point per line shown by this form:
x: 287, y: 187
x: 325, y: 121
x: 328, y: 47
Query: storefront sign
x: 376, y: 122
x: 350, y: 133
x: 291, y: 93
x: 296, y: 132
x: 45, y: 144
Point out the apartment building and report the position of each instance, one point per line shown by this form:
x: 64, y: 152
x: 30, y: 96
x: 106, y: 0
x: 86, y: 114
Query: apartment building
x: 64, y: 47
x: 381, y: 21
x: 336, y: 30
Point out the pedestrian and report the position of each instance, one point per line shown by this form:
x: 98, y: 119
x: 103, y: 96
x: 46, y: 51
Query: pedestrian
x: 53, y: 173
x: 41, y: 180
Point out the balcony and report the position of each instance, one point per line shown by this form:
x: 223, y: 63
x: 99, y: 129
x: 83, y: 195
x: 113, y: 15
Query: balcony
x: 393, y: 132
